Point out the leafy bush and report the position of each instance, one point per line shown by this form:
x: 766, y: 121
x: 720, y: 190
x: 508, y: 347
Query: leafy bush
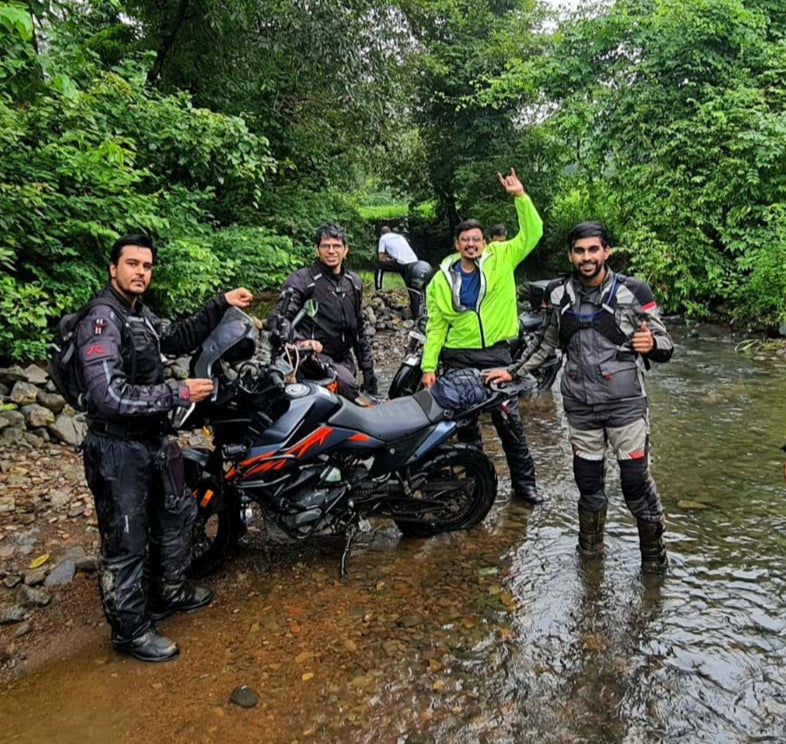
x: 296, y: 212
x: 256, y: 257
x: 384, y: 212
x: 88, y: 153
x: 26, y: 310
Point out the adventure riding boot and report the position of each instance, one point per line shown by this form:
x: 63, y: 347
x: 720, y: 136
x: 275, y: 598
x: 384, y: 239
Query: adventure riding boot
x: 182, y: 597
x: 529, y: 494
x: 149, y: 646
x: 653, y: 551
x: 592, y: 525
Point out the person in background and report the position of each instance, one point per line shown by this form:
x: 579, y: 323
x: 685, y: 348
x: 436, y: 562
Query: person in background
x: 395, y: 254
x: 498, y: 233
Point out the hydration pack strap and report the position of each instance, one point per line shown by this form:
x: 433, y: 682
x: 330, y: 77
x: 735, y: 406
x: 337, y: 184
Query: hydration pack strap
x: 602, y: 319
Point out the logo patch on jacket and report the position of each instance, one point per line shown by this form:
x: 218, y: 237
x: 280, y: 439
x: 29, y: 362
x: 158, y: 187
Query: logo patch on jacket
x: 98, y: 326
x: 94, y: 350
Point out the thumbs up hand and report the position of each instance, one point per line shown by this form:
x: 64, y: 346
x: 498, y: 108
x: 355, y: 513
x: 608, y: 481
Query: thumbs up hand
x: 643, y: 341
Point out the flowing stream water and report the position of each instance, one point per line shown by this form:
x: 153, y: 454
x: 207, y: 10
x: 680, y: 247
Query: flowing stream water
x: 501, y: 634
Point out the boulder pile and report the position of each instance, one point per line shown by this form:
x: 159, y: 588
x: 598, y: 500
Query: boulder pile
x: 33, y: 414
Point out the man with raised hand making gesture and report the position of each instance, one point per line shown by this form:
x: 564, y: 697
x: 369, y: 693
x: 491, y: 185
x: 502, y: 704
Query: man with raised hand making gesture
x: 473, y: 317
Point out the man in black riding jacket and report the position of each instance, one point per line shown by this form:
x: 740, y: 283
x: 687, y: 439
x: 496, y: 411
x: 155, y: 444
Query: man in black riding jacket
x: 134, y: 470
x: 339, y: 327
x: 609, y: 327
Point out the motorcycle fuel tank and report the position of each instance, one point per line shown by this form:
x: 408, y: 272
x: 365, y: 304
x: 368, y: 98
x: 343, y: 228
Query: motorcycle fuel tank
x: 309, y: 406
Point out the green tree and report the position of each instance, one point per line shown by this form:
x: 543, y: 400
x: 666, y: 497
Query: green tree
x: 676, y: 112
x: 77, y: 168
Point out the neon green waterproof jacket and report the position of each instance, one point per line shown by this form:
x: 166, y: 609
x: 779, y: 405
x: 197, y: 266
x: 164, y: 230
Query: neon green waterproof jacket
x: 496, y: 316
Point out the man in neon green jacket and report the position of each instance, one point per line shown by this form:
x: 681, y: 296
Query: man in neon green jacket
x: 473, y: 316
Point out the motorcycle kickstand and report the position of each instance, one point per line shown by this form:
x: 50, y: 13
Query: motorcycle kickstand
x: 352, y: 531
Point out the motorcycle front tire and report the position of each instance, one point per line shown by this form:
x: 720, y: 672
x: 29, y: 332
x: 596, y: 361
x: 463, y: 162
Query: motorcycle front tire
x: 463, y: 478
x: 215, y: 533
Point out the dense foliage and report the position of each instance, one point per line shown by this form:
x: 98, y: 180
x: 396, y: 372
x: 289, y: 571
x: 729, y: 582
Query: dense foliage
x: 230, y: 130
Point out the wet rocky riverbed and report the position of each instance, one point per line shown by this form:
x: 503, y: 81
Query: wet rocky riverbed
x: 500, y: 634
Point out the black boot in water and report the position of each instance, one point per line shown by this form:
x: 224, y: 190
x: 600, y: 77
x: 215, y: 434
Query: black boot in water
x: 592, y: 525
x: 653, y: 551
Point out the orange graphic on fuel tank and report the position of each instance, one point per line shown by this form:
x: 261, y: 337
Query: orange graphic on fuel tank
x: 318, y: 437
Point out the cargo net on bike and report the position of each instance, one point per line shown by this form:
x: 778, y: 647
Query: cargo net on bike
x: 460, y: 389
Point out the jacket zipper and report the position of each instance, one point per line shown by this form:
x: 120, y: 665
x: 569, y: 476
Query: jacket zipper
x: 480, y: 327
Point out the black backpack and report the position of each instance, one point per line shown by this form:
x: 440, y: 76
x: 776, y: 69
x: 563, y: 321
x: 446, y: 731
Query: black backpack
x: 64, y: 368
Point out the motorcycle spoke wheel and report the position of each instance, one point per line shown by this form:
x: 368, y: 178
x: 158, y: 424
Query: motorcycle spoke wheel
x: 459, y: 488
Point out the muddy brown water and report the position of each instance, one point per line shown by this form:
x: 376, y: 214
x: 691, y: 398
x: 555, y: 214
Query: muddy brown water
x: 499, y: 634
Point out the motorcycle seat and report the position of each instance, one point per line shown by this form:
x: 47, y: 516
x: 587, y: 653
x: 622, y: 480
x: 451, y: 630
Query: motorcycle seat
x: 391, y: 420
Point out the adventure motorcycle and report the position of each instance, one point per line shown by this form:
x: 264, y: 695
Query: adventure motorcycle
x: 317, y: 463
x: 406, y: 381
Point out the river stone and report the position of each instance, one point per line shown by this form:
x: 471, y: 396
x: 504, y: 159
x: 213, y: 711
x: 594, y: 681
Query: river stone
x: 13, y: 417
x: 35, y: 375
x: 22, y: 629
x: 29, y: 596
x: 35, y: 576
x: 12, y: 435
x: 12, y: 374
x: 37, y: 416
x: 4, y: 389
x: 11, y: 581
x: 88, y: 563
x: 23, y: 393
x: 34, y: 441
x: 59, y: 499
x: 4, y: 422
x: 7, y: 504
x: 54, y: 402
x: 244, y: 696
x: 63, y: 573
x: 68, y: 430
x: 75, y: 553
x: 12, y: 614
x: 42, y: 434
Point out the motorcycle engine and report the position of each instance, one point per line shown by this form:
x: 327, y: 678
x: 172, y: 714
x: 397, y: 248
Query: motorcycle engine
x: 308, y: 508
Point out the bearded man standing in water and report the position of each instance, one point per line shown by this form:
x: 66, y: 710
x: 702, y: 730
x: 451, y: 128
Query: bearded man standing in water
x: 610, y: 330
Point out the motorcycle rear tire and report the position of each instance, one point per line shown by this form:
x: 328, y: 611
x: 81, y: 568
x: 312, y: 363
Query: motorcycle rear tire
x: 469, y: 468
x: 406, y: 381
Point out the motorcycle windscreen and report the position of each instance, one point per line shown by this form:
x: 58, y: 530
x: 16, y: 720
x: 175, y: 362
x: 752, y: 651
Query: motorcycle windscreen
x: 234, y: 338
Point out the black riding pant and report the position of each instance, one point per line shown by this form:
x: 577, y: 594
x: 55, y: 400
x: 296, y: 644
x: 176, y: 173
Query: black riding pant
x: 506, y: 418
x: 141, y: 503
x: 415, y: 296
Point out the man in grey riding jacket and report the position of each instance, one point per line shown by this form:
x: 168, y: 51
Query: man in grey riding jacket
x: 609, y: 327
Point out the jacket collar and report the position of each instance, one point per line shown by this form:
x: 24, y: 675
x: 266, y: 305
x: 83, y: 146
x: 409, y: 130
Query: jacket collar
x: 136, y: 308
